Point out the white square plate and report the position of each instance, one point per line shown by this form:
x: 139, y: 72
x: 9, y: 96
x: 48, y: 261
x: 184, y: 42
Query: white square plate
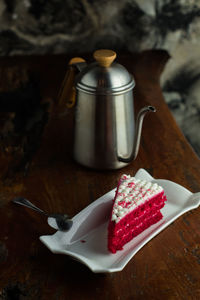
x: 86, y: 241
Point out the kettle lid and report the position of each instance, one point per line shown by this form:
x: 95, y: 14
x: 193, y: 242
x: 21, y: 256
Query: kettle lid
x: 104, y: 76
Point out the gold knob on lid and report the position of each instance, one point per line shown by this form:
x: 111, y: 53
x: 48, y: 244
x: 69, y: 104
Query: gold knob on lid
x: 105, y: 57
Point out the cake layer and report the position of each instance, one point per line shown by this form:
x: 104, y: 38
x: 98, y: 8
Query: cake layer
x: 135, y: 222
x: 117, y: 242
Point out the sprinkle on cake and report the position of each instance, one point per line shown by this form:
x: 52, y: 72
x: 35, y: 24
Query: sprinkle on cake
x: 136, y: 206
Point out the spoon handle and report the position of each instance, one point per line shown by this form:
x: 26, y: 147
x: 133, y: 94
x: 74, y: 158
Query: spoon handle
x: 27, y: 203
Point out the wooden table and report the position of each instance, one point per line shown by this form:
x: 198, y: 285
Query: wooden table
x: 168, y: 267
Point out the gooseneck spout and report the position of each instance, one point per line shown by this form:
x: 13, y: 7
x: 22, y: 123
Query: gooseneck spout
x: 138, y: 131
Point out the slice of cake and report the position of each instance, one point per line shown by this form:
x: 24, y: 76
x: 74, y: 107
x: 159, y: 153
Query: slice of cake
x: 136, y: 206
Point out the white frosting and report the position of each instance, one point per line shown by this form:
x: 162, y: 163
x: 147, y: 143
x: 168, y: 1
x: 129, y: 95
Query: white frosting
x: 131, y: 193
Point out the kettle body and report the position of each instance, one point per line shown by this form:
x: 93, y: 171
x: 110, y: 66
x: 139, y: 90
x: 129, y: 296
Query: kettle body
x: 104, y: 129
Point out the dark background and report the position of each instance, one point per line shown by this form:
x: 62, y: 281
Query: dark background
x: 32, y: 27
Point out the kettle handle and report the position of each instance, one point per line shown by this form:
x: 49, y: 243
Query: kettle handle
x: 67, y: 93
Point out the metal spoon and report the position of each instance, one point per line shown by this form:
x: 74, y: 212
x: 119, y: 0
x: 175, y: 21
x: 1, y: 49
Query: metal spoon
x: 63, y: 221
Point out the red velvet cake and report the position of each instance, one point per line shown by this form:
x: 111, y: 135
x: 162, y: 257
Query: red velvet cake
x: 136, y: 206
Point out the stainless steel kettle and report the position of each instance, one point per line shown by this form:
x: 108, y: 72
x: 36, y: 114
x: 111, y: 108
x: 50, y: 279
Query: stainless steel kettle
x: 105, y: 133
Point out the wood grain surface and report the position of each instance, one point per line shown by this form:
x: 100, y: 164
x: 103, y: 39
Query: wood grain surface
x: 168, y: 267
